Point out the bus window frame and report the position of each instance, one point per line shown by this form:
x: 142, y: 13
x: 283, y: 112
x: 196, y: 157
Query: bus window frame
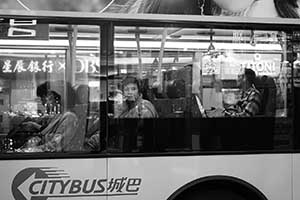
x: 107, y: 22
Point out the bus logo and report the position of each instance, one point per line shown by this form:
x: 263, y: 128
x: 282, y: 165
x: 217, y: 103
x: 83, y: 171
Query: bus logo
x: 44, y: 183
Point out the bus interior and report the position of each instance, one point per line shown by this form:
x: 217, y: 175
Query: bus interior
x: 186, y: 73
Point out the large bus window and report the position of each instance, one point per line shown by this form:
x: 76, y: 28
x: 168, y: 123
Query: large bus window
x: 296, y: 83
x: 206, y: 89
x: 50, y: 88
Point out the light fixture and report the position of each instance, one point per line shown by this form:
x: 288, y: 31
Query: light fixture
x: 211, y: 50
x: 211, y: 47
x: 252, y: 38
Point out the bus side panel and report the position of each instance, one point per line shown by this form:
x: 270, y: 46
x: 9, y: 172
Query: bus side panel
x: 296, y: 176
x: 63, y: 179
x: 162, y: 176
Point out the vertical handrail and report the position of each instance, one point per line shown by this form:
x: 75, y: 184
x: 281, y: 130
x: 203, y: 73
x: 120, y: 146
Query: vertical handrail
x: 160, y: 60
x: 139, y: 53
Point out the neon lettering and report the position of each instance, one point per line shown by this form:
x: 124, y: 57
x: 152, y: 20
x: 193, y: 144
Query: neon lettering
x: 81, y: 66
x: 21, y: 32
x: 34, y: 66
x: 7, y: 66
x: 92, y: 66
x: 19, y: 28
x: 19, y: 22
x: 19, y: 66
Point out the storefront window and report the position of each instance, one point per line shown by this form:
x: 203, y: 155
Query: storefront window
x: 49, y: 83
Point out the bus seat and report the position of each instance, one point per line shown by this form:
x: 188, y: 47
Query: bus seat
x: 81, y: 111
x: 176, y: 88
x: 267, y: 87
x: 170, y: 108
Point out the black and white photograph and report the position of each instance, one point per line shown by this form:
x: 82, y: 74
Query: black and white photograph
x: 150, y: 99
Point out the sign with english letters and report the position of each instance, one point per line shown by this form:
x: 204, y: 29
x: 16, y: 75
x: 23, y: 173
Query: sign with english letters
x: 43, y: 183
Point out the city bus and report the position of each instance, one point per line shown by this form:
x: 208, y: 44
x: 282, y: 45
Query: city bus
x: 71, y: 129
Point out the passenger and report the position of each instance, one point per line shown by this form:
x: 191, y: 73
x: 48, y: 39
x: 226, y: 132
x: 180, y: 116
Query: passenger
x: 61, y: 127
x: 92, y: 143
x: 92, y: 140
x: 134, y: 106
x: 250, y: 102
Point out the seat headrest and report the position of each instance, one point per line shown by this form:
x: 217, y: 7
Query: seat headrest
x: 265, y: 82
x: 176, y: 88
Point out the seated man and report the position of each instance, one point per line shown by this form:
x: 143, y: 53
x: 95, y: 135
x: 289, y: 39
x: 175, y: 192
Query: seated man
x: 251, y: 100
x: 250, y: 103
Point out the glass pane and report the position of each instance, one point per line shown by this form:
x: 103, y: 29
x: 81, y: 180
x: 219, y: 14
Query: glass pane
x: 206, y: 89
x: 296, y: 82
x: 49, y: 85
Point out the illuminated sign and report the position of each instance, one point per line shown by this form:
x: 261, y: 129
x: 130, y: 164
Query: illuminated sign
x: 262, y: 66
x: 229, y: 66
x: 240, y: 36
x: 84, y: 65
x: 23, y: 29
x: 49, y: 182
x: 210, y: 65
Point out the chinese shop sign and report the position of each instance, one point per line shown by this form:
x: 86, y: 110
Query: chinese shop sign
x: 23, y: 29
x: 23, y: 65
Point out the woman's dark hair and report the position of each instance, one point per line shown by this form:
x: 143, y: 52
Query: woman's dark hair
x: 130, y: 79
x: 250, y: 76
x: 42, y: 89
x: 287, y: 8
x: 57, y: 89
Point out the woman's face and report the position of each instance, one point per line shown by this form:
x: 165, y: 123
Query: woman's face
x: 234, y: 5
x: 131, y: 92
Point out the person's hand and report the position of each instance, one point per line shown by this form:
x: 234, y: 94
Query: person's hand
x: 31, y: 150
x: 19, y: 150
x: 215, y: 112
x: 33, y: 142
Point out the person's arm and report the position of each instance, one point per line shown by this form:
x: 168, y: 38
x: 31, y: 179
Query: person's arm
x: 63, y: 134
x: 147, y: 110
x: 93, y: 143
x: 249, y: 107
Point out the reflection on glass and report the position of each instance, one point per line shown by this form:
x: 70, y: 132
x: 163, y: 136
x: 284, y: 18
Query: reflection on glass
x: 50, y: 99
x: 188, y: 74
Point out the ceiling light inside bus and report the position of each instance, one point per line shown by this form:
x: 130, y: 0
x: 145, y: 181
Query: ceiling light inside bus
x: 196, y: 45
x: 144, y: 44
